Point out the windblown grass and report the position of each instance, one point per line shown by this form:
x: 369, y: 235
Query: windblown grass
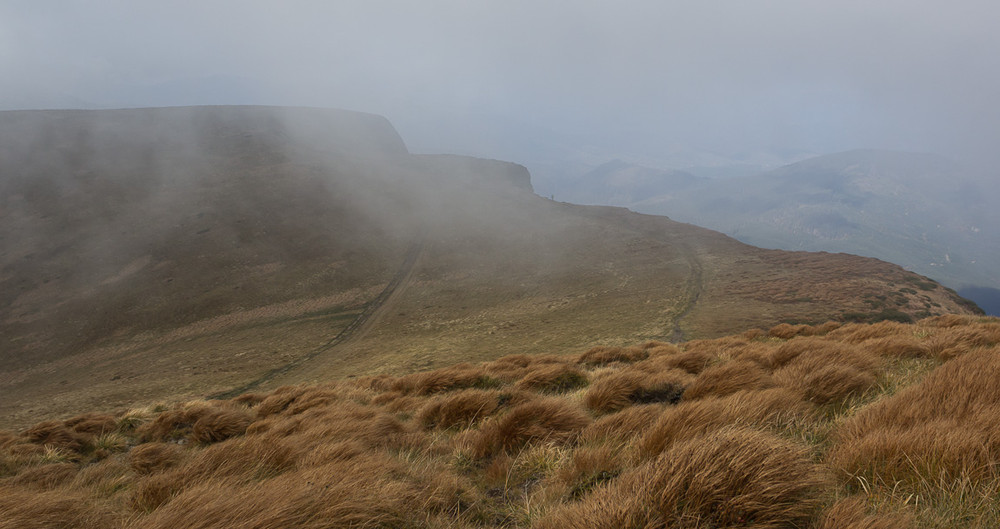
x: 828, y: 427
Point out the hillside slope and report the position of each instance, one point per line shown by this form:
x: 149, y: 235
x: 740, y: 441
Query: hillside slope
x: 920, y: 211
x: 179, y: 252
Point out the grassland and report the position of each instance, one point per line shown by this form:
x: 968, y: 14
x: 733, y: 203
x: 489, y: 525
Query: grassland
x: 885, y: 425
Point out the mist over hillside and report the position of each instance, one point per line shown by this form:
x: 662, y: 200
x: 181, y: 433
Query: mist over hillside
x: 921, y: 211
x: 186, y: 251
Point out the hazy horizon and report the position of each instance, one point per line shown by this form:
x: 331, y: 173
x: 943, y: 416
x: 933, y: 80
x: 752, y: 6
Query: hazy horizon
x: 671, y: 83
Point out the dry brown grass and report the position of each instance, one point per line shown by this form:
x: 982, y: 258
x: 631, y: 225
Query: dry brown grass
x: 728, y: 378
x: 690, y: 419
x: 174, y: 424
x: 589, y: 467
x: 55, y: 434
x: 787, y: 331
x: 858, y: 332
x: 460, y: 376
x: 602, y: 355
x: 898, y: 347
x: 154, y: 457
x: 851, y: 513
x: 553, y: 378
x: 729, y: 478
x: 92, y: 423
x: 861, y: 427
x: 464, y: 408
x: 944, y: 426
x: 625, y: 388
x: 28, y: 509
x: 547, y: 420
x: 693, y: 362
x: 825, y: 384
x: 220, y: 425
x: 630, y: 422
x: 45, y: 477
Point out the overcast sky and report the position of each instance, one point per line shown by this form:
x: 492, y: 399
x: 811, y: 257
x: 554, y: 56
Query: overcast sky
x: 493, y: 78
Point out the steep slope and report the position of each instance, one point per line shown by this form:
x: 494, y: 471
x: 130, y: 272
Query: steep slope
x: 179, y: 252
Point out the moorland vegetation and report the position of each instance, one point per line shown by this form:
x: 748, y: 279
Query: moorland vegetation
x: 885, y: 425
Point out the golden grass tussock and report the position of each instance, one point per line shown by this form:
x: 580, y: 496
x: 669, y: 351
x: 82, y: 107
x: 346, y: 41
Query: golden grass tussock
x: 819, y: 352
x: 860, y: 332
x: 371, y: 427
x: 553, y: 378
x: 151, y: 491
x: 852, y: 513
x: 983, y: 335
x: 826, y: 328
x: 589, y: 467
x: 360, y: 492
x: 55, y: 434
x: 825, y: 384
x: 92, y: 423
x: 397, y: 402
x: 949, y: 342
x: 738, y: 476
x: 278, y: 400
x: 465, y: 408
x: 511, y: 368
x: 220, y: 425
x: 693, y: 362
x: 8, y: 438
x: 948, y: 320
x: 154, y: 457
x: 897, y: 347
x: 460, y: 376
x: 625, y: 424
x: 104, y: 478
x: 769, y: 407
x: 45, y: 477
x: 728, y: 378
x: 732, y: 477
x: 549, y: 420
x: 942, y: 427
x: 787, y: 331
x: 242, y: 457
x: 603, y: 355
x: 29, y: 509
x: 621, y: 389
x: 174, y: 424
x: 249, y: 399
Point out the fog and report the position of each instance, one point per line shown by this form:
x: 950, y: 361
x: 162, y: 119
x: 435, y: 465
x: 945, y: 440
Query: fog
x: 544, y: 83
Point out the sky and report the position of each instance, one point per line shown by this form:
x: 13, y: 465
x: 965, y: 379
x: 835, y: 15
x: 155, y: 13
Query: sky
x: 543, y: 80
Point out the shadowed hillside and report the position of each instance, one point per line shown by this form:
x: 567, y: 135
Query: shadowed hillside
x: 179, y: 252
x: 832, y: 426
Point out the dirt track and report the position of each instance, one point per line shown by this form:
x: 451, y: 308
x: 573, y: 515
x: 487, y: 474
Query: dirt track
x: 368, y: 317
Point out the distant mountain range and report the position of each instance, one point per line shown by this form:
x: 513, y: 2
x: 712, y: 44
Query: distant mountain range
x: 920, y: 211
